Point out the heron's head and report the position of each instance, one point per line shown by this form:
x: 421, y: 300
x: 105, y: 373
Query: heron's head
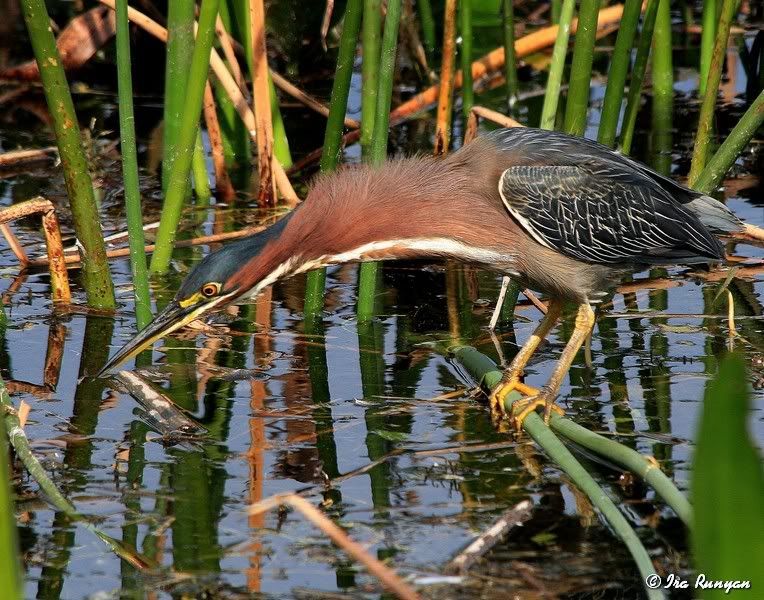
x: 239, y: 270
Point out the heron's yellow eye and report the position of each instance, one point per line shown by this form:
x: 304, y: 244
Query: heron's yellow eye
x: 210, y: 289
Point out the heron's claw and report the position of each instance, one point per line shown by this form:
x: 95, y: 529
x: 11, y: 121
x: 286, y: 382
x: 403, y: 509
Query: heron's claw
x: 503, y: 389
x: 522, y: 408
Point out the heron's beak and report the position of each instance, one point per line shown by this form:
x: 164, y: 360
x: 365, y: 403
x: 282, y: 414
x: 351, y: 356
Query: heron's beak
x: 173, y: 317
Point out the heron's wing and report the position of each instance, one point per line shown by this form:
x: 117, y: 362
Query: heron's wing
x: 605, y: 214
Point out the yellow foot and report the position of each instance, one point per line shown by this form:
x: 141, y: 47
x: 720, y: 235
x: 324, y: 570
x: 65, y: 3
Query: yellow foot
x: 502, y: 390
x: 522, y: 408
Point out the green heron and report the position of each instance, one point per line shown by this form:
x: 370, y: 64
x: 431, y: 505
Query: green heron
x: 559, y: 214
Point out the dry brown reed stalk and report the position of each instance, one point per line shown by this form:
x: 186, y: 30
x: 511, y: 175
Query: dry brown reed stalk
x: 514, y: 517
x: 14, y: 158
x: 470, y: 131
x: 386, y: 576
x: 261, y: 103
x: 304, y: 98
x: 223, y: 185
x: 229, y: 85
x: 226, y: 43
x: 446, y: 87
x: 59, y: 279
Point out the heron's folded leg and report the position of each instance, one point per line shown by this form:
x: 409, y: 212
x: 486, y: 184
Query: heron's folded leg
x: 510, y: 380
x: 548, y: 393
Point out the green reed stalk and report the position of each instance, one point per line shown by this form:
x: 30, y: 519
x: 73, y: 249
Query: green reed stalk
x: 371, y: 39
x: 705, y: 120
x: 428, y: 27
x: 280, y: 142
x: 557, y: 66
x: 95, y: 268
x: 619, y: 68
x: 556, y: 11
x: 581, y: 69
x: 483, y: 369
x: 638, y: 76
x: 663, y: 90
x: 727, y: 154
x: 465, y: 24
x: 199, y: 170
x: 11, y: 574
x: 510, y: 59
x: 136, y: 240
x: 707, y: 37
x: 192, y: 107
x: 330, y: 157
x: 368, y: 274
x: 180, y: 44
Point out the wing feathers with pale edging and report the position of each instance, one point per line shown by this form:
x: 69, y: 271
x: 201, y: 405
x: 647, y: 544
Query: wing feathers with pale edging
x: 605, y: 214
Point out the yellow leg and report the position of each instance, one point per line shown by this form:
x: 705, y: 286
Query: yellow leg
x: 545, y: 398
x: 511, y: 379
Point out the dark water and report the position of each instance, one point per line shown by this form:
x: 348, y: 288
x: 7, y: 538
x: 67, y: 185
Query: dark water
x: 287, y: 411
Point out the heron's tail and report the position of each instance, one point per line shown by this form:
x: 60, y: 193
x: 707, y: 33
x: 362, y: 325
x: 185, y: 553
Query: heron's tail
x: 721, y: 220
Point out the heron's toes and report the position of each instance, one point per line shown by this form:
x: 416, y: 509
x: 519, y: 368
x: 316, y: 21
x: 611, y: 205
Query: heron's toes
x: 503, y: 389
x: 522, y: 408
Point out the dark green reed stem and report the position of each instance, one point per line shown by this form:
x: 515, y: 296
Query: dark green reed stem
x: 619, y: 69
x: 368, y: 275
x: 705, y: 121
x: 138, y: 264
x: 11, y: 574
x: 483, y: 369
x: 510, y: 59
x: 733, y: 145
x: 371, y: 39
x: 663, y: 91
x: 330, y: 157
x: 95, y: 268
x: 581, y: 68
x: 428, y: 27
x: 638, y: 76
x: 557, y: 66
x: 465, y: 25
x: 192, y: 107
x: 707, y: 37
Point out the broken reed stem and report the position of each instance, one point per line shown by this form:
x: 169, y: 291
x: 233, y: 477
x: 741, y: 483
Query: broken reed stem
x: 514, y: 517
x: 445, y: 90
x: 384, y: 574
x: 304, y: 98
x: 223, y: 186
x: 56, y: 263
x: 79, y: 185
x: 700, y: 149
x: 261, y: 103
x: 19, y: 157
x: 470, y: 132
